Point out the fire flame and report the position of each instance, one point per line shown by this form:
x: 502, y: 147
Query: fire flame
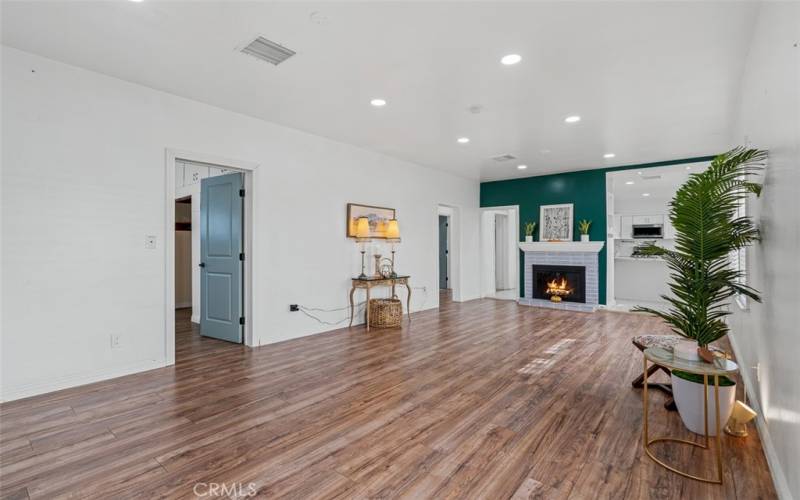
x: 559, y: 289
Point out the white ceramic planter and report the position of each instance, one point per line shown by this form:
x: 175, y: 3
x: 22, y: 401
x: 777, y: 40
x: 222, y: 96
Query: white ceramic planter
x: 686, y: 349
x: 529, y: 239
x: 689, y: 399
x: 584, y: 238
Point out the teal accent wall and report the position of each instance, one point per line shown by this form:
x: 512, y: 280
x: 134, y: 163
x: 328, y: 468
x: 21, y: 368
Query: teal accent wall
x: 585, y: 189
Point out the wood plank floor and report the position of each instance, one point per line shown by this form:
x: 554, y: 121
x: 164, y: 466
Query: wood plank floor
x: 483, y: 399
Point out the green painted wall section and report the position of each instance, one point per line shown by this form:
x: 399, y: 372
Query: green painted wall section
x: 585, y: 189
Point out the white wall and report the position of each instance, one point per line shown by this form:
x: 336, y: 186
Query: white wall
x: 83, y: 182
x: 767, y: 334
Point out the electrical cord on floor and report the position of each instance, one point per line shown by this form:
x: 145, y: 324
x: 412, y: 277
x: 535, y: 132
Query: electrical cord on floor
x: 358, y: 309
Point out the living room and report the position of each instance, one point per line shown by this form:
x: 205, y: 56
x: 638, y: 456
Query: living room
x: 330, y: 249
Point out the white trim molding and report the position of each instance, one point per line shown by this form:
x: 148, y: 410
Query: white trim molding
x: 250, y: 170
x: 775, y: 468
x: 78, y: 379
x: 562, y: 246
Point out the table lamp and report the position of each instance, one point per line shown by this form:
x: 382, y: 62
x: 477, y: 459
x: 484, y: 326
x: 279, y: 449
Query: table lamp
x: 393, y: 237
x: 737, y: 423
x: 362, y: 237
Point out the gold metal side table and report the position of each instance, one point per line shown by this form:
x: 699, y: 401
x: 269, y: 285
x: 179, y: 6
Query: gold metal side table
x: 722, y: 367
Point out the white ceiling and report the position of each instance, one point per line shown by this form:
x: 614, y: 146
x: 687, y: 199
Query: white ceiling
x: 660, y: 183
x: 651, y: 80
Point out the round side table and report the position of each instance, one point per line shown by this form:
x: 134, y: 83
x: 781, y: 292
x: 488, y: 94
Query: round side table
x: 721, y: 367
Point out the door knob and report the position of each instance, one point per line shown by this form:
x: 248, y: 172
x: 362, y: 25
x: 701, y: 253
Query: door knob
x: 202, y: 264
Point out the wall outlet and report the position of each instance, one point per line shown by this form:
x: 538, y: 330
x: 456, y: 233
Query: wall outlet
x: 150, y: 242
x: 115, y: 341
x: 294, y: 307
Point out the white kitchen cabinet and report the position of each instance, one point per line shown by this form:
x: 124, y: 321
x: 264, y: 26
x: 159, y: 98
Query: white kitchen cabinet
x: 626, y: 231
x: 648, y: 219
x: 194, y: 173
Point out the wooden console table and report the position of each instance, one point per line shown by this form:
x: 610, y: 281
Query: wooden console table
x: 371, y: 282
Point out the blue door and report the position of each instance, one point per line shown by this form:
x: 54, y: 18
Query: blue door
x: 221, y: 247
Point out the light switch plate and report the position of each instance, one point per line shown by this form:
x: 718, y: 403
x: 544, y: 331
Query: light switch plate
x: 150, y: 242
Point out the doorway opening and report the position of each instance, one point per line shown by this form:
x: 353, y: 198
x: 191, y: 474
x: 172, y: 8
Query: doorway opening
x: 499, y: 252
x: 209, y: 251
x: 444, y: 253
x: 448, y: 262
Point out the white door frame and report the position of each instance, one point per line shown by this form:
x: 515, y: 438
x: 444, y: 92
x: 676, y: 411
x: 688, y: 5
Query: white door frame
x: 514, y: 262
x: 454, y: 251
x: 611, y: 299
x: 250, y: 171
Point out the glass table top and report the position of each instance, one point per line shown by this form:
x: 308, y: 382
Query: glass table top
x: 666, y: 358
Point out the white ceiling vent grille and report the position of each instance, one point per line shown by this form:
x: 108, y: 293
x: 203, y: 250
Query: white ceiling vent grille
x: 650, y: 177
x: 505, y: 157
x: 267, y: 50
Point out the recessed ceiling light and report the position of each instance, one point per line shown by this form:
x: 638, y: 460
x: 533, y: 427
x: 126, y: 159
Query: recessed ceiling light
x: 378, y: 102
x: 136, y: 1
x: 521, y: 167
x: 511, y: 59
x: 463, y: 140
x: 639, y: 172
x: 688, y: 168
x: 645, y: 194
x: 572, y: 119
x: 609, y: 155
x: 544, y: 151
x: 629, y: 183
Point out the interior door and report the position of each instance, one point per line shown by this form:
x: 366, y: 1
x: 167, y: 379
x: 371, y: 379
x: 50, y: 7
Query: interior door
x: 221, y: 246
x: 443, y: 253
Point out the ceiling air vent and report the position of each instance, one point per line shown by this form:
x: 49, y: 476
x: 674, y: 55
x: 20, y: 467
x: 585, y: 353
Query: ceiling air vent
x: 267, y: 50
x: 650, y: 177
x: 505, y: 157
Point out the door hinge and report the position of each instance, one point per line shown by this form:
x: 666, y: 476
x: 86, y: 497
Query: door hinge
x: 241, y: 320
x: 241, y: 256
x: 241, y: 193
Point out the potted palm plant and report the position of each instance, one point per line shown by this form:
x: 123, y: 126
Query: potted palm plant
x: 702, y: 281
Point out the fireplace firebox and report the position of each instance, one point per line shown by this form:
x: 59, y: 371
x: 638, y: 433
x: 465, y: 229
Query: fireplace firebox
x: 559, y: 283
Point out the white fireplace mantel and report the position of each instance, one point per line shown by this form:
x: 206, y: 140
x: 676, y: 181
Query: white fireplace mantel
x: 562, y: 246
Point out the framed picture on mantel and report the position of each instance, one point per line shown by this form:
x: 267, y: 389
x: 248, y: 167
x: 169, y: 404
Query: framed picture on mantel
x: 378, y: 219
x: 555, y: 222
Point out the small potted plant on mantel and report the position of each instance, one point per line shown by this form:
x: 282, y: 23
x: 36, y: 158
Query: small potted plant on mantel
x: 708, y: 230
x: 583, y: 227
x: 530, y: 227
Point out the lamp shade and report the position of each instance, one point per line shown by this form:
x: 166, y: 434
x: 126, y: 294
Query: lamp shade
x: 392, y: 229
x: 362, y: 227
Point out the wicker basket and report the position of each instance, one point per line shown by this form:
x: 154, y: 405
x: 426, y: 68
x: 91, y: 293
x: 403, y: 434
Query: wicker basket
x: 385, y: 313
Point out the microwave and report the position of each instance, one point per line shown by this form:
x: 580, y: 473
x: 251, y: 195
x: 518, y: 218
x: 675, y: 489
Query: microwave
x: 647, y: 231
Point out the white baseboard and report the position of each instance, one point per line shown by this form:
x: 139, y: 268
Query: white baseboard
x: 45, y: 386
x: 778, y: 477
x: 195, y: 318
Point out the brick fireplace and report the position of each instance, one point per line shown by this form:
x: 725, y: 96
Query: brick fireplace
x: 567, y: 269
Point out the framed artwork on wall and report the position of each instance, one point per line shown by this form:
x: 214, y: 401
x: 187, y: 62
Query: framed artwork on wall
x: 378, y: 219
x: 555, y: 222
